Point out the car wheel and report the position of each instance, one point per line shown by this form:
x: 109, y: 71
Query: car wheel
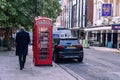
x: 80, y: 59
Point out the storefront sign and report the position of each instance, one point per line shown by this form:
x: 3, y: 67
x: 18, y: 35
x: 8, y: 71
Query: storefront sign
x: 116, y: 27
x: 106, y: 10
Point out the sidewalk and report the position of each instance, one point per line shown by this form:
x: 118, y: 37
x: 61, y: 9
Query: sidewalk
x: 105, y: 49
x: 9, y: 69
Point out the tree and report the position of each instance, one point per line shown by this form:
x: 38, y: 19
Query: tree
x: 21, y: 12
x: 49, y: 8
x: 15, y: 13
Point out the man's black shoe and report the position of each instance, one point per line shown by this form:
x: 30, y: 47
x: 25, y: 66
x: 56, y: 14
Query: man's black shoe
x: 21, y: 68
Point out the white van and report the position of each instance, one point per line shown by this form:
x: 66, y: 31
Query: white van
x: 62, y: 33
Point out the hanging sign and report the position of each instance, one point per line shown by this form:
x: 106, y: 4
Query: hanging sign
x: 106, y: 10
x: 116, y: 27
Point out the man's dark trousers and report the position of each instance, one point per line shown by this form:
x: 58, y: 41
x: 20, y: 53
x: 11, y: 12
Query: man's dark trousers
x: 22, y: 60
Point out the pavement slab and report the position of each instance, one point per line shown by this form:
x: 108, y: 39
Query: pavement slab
x: 9, y: 69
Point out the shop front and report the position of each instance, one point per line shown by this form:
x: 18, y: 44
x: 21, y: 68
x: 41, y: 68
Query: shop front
x: 116, y: 36
x: 106, y: 36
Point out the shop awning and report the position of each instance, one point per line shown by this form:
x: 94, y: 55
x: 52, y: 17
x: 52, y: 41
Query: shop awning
x: 98, y: 28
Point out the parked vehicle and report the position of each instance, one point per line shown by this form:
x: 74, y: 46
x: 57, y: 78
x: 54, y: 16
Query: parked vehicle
x: 94, y: 43
x: 62, y: 32
x: 68, y: 48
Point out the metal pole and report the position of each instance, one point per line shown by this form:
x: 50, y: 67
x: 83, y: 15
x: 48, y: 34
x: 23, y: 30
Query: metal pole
x: 1, y: 38
x: 36, y: 8
x: 1, y: 42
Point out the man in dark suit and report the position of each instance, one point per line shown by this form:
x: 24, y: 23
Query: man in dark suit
x: 22, y: 41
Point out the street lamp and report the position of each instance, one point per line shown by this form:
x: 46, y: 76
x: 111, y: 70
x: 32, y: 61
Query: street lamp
x: 36, y: 8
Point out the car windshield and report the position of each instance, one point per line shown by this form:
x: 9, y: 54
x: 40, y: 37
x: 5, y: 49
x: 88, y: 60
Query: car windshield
x: 55, y: 35
x: 69, y: 42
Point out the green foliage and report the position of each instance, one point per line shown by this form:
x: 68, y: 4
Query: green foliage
x: 15, y: 13
x: 49, y: 8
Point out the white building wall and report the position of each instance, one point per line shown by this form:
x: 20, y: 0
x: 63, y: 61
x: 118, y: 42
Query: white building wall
x: 119, y: 8
x: 67, y: 16
x: 84, y: 13
x: 78, y: 13
x: 114, y: 8
x: 97, y: 19
x: 94, y: 13
x: 70, y: 14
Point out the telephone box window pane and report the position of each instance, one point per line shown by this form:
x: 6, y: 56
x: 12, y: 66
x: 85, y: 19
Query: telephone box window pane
x: 44, y: 53
x: 44, y: 29
x: 42, y: 57
x: 44, y: 45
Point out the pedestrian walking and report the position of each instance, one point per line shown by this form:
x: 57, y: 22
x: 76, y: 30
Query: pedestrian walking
x: 22, y: 40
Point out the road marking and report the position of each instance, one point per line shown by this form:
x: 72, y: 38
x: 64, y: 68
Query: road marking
x: 117, y: 73
x: 72, y: 73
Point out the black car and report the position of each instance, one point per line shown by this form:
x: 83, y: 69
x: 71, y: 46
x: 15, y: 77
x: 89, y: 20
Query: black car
x: 67, y: 48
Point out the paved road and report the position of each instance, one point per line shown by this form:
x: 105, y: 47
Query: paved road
x: 98, y: 64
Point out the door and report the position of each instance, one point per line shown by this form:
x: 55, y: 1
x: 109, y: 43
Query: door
x: 44, y: 43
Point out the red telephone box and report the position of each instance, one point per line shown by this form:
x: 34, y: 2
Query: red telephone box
x: 42, y: 41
